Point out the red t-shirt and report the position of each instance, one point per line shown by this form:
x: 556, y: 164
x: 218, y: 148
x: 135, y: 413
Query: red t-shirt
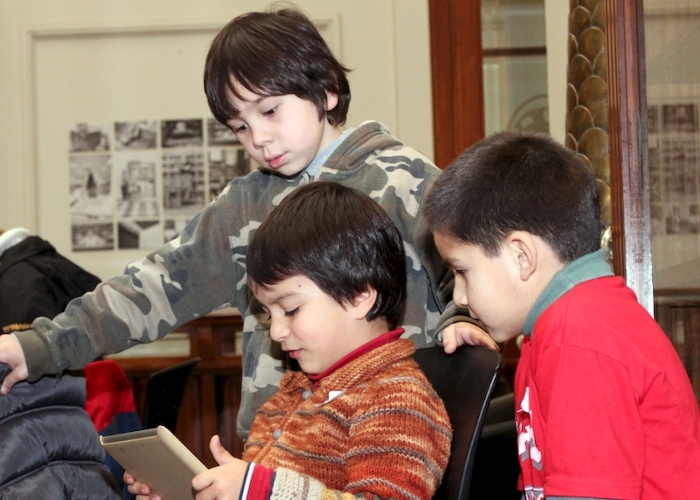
x: 604, y: 406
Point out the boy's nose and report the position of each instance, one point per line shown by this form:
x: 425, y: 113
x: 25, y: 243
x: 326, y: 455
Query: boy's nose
x: 459, y: 295
x: 261, y: 136
x: 278, y: 330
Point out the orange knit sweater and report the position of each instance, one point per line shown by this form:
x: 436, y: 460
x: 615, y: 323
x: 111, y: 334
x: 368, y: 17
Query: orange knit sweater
x: 374, y: 428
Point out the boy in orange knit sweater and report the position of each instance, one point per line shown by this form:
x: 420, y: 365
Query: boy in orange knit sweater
x: 360, y: 418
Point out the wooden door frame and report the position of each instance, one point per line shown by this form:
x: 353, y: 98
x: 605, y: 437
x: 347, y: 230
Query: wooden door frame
x: 458, y: 117
x: 629, y: 163
x: 457, y: 76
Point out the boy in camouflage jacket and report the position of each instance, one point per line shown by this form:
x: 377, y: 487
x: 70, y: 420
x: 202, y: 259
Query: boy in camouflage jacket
x: 273, y: 80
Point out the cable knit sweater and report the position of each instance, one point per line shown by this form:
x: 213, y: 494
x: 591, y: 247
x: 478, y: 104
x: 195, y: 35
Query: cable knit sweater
x: 374, y: 428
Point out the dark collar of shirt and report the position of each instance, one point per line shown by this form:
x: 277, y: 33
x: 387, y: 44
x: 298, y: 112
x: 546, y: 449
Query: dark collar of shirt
x: 384, y: 338
x: 588, y: 267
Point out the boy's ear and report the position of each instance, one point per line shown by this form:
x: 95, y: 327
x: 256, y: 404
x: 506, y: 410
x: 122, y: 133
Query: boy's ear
x: 331, y: 101
x: 523, y: 250
x: 363, y: 303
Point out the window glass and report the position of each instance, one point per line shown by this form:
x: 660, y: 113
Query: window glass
x: 514, y: 65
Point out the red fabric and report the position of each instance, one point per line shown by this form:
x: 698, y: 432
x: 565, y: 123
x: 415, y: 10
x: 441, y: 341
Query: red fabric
x: 384, y: 338
x: 260, y: 483
x: 108, y: 392
x: 604, y: 407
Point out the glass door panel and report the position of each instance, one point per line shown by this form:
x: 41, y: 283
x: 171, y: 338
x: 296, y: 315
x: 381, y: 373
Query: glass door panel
x: 514, y: 65
x: 672, y: 40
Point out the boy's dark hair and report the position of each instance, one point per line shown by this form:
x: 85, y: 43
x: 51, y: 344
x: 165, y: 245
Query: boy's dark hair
x: 518, y: 181
x: 273, y: 53
x: 340, y: 239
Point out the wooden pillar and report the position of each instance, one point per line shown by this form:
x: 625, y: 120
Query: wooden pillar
x: 457, y: 77
x: 629, y: 164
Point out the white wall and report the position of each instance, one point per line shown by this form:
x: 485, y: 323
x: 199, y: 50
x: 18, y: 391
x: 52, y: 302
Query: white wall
x: 557, y: 32
x: 50, y: 49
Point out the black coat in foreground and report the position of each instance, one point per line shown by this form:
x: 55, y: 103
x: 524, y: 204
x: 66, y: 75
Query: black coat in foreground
x: 50, y: 448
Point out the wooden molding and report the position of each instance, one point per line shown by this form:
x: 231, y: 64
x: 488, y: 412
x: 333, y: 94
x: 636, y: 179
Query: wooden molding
x: 457, y: 76
x: 629, y: 165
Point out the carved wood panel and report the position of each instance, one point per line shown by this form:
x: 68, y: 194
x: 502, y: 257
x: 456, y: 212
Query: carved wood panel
x: 587, y: 127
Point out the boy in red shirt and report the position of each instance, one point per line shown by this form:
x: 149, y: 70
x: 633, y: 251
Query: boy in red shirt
x: 604, y: 407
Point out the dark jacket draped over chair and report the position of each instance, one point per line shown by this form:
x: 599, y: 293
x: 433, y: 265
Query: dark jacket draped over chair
x: 50, y: 449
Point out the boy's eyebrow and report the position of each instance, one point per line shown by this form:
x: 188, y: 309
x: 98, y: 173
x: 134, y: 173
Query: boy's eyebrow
x: 449, y: 261
x: 258, y: 100
x: 283, y: 296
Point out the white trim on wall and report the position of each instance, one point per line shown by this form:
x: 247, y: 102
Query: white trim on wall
x: 557, y: 32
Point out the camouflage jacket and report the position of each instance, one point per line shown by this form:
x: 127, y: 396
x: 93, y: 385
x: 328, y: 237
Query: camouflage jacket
x: 204, y: 269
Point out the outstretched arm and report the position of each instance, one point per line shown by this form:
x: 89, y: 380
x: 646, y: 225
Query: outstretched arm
x: 457, y: 328
x: 11, y: 353
x: 460, y: 333
x: 182, y: 280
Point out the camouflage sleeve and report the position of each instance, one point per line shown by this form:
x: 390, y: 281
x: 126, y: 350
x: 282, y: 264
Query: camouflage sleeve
x: 184, y: 279
x: 453, y: 314
x: 437, y: 277
x: 264, y: 365
x: 440, y: 279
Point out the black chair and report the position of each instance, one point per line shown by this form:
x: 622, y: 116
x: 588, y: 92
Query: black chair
x: 496, y: 463
x: 465, y: 380
x: 164, y: 393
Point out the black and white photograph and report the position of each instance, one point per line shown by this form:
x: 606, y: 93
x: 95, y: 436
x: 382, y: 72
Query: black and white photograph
x: 89, y: 137
x: 655, y: 176
x: 679, y: 164
x: 172, y: 228
x: 653, y: 122
x: 680, y: 117
x: 225, y: 164
x: 219, y: 134
x: 140, y: 235
x: 658, y: 226
x: 90, y: 180
x: 181, y: 133
x: 183, y: 182
x: 682, y: 219
x: 150, y: 178
x: 141, y: 134
x: 93, y: 236
x: 136, y: 184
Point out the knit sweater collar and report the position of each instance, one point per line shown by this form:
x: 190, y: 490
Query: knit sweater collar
x: 353, y: 372
x: 384, y: 338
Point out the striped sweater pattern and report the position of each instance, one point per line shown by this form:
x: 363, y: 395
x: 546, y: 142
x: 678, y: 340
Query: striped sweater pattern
x: 375, y: 428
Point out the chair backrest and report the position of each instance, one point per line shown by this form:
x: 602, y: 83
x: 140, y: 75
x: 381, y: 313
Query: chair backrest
x: 496, y: 464
x: 465, y: 381
x: 164, y: 393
